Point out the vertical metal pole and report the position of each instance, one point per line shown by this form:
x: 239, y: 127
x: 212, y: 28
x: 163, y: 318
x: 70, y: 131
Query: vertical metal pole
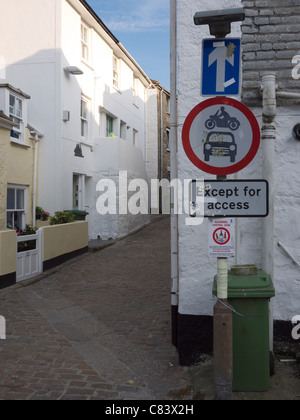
x: 222, y: 340
x: 174, y: 175
x: 223, y: 348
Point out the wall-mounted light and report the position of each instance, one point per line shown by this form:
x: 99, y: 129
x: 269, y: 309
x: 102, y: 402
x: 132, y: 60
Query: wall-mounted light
x: 219, y: 21
x: 66, y: 116
x: 78, y: 151
x: 73, y: 70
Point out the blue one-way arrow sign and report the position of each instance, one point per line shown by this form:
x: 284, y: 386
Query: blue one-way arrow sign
x: 221, y: 67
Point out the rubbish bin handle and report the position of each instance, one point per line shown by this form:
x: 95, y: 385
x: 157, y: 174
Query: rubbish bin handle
x: 229, y: 307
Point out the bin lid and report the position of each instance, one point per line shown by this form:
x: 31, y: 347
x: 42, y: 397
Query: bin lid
x: 259, y: 285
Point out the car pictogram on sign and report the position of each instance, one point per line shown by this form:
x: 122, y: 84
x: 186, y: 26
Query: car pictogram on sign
x: 220, y: 145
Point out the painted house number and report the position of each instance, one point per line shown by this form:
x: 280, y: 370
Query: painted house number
x: 296, y: 69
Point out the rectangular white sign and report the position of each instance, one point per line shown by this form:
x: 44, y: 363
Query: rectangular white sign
x: 241, y: 198
x: 221, y: 238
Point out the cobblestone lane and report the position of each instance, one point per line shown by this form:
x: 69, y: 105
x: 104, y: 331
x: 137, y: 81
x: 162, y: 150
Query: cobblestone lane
x: 98, y: 328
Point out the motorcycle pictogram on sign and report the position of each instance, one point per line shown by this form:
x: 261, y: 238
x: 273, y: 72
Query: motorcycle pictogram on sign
x: 222, y: 119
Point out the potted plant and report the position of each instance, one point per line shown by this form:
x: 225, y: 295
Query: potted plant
x: 45, y: 216
x: 41, y: 214
x: 38, y: 213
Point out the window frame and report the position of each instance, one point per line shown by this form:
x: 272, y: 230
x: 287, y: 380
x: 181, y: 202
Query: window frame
x: 135, y: 91
x: 85, y: 43
x: 84, y: 119
x: 168, y: 139
x: 109, y: 124
x: 123, y: 130
x: 18, y: 119
x: 15, y: 210
x: 168, y: 104
x: 116, y: 72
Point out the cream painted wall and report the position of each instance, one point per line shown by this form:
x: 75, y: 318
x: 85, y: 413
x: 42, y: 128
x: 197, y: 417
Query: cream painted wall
x: 4, y: 142
x: 8, y: 254
x: 16, y: 168
x: 20, y: 170
x: 63, y: 239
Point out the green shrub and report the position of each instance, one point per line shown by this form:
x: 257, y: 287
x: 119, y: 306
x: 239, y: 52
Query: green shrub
x: 61, y: 218
x: 38, y: 211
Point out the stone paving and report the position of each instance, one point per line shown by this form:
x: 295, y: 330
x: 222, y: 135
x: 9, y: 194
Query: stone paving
x: 96, y: 328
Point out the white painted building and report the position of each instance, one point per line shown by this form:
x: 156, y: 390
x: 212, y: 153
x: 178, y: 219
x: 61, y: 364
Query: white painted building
x: 270, y: 37
x: 94, y: 123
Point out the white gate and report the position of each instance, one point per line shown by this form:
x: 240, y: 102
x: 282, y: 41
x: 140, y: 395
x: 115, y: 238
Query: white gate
x: 29, y: 262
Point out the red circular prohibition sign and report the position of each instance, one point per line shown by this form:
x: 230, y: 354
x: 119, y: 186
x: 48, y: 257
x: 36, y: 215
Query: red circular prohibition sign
x: 229, y: 169
x: 227, y: 239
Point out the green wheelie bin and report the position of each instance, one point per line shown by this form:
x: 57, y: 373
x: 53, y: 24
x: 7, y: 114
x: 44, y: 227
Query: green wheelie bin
x: 249, y: 295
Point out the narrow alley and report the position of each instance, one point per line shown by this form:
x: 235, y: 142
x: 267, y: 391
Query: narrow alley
x: 97, y: 328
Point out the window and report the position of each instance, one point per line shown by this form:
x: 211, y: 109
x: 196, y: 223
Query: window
x: 123, y: 130
x: 168, y: 105
x: 16, y: 114
x: 168, y: 140
x: 14, y: 104
x: 84, y: 118
x: 85, y: 37
x: 109, y: 126
x: 135, y: 91
x: 116, y: 76
x: 16, y: 207
x: 78, y: 191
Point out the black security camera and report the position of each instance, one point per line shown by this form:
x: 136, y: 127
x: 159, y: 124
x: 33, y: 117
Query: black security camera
x: 296, y: 132
x: 219, y: 21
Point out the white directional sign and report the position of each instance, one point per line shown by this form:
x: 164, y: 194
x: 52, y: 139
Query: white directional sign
x: 232, y: 198
x: 221, y: 67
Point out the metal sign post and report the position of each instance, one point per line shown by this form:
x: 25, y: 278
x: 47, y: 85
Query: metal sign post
x: 219, y: 144
x: 223, y: 337
x: 221, y: 136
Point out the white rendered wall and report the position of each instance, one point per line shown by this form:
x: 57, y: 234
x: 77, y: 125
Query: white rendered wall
x: 44, y: 40
x: 32, y: 55
x: 196, y: 268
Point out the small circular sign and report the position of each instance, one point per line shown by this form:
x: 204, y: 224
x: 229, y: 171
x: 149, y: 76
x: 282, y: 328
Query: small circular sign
x: 221, y: 236
x: 221, y: 136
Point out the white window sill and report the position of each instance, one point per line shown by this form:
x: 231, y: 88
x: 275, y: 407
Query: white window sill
x: 18, y: 143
